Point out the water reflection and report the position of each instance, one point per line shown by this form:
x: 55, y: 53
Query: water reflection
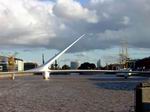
x: 117, y: 83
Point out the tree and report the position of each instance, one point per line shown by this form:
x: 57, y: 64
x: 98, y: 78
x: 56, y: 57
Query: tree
x: 65, y: 67
x: 87, y: 65
x: 52, y: 67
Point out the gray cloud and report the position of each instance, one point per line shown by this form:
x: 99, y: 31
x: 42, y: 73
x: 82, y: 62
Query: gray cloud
x: 54, y: 24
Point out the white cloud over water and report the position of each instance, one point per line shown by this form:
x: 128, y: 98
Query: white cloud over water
x: 54, y: 24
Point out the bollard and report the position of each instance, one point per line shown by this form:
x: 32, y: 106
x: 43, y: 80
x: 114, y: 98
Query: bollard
x: 13, y: 76
x: 142, y: 96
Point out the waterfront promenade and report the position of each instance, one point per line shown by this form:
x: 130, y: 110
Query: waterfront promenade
x: 70, y: 93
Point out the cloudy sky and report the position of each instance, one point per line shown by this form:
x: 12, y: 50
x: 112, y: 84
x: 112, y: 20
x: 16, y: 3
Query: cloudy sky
x: 32, y: 27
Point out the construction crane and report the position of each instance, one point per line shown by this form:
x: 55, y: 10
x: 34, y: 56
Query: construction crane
x: 12, y: 62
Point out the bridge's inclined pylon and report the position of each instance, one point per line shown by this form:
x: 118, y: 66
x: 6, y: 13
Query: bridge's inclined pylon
x: 45, y: 67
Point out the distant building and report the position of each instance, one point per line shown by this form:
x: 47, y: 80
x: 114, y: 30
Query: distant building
x: 30, y: 65
x: 20, y: 64
x: 5, y: 65
x: 99, y: 63
x: 74, y: 64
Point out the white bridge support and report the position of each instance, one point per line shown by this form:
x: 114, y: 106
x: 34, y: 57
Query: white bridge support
x: 46, y: 75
